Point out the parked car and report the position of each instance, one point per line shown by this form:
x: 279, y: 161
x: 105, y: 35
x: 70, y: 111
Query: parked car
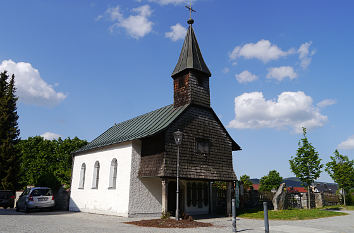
x: 35, y: 198
x: 7, y: 199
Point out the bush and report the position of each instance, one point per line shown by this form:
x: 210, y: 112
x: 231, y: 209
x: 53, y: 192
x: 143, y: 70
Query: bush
x: 165, y: 215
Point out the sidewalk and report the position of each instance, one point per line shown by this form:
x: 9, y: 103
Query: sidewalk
x: 63, y: 221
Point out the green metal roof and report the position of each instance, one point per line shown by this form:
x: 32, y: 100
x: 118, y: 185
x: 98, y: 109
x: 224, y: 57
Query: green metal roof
x: 138, y: 127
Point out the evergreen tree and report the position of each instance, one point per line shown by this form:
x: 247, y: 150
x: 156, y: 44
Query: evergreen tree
x: 9, y: 133
x: 306, y: 165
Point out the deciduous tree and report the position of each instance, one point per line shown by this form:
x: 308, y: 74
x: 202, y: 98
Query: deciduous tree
x: 306, y: 165
x: 270, y: 181
x: 47, y: 162
x: 246, y: 181
x: 341, y: 170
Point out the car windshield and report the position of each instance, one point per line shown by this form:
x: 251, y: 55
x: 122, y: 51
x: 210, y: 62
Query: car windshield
x: 42, y: 192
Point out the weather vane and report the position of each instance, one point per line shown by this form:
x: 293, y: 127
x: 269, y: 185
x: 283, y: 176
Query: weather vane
x: 190, y: 9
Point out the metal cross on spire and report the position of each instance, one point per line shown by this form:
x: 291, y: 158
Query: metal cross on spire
x: 190, y: 21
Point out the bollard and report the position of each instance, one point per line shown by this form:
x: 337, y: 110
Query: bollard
x: 266, y: 221
x: 233, y: 215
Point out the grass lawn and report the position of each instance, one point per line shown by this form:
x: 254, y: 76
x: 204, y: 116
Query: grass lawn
x: 295, y: 214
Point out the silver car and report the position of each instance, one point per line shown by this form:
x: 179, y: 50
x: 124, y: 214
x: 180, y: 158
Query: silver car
x: 35, y: 198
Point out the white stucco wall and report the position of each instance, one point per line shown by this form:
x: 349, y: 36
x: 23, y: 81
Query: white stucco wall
x: 102, y: 200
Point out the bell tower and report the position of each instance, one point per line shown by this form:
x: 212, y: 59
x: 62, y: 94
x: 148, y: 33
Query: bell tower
x: 191, y: 74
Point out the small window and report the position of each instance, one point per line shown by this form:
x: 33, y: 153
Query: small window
x: 202, y: 146
x: 181, y: 82
x: 200, y: 81
x: 82, y: 176
x: 113, y: 174
x: 96, y: 175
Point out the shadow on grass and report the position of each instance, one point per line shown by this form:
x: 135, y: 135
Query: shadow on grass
x: 333, y: 208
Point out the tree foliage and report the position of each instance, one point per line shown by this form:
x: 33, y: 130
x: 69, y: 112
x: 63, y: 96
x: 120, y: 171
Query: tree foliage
x: 47, y: 162
x: 341, y: 170
x: 270, y: 181
x: 246, y: 181
x: 9, y: 133
x: 306, y: 165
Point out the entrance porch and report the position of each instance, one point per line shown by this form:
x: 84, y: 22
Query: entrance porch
x: 196, y: 197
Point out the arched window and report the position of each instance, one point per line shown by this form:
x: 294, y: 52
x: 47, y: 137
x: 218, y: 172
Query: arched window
x: 82, y: 176
x: 113, y: 174
x: 96, y: 175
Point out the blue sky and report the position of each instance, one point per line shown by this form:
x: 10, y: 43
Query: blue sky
x: 82, y: 66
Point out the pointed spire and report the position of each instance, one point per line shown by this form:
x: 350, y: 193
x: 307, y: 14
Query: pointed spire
x: 191, y: 57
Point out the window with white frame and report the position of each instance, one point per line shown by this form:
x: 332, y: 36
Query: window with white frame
x: 82, y: 176
x: 113, y: 174
x: 96, y: 175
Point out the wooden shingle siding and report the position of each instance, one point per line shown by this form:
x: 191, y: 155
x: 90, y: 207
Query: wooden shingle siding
x: 199, y: 122
x: 151, y: 165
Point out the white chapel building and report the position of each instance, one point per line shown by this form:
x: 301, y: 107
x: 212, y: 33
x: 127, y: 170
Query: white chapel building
x: 130, y: 169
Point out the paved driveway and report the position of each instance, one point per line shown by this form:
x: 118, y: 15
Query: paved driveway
x: 61, y: 222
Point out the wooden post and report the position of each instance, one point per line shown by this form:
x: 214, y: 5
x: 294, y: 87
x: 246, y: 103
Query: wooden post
x: 164, y: 186
x: 211, y: 200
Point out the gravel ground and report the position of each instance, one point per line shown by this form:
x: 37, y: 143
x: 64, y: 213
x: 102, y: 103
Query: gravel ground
x: 61, y: 222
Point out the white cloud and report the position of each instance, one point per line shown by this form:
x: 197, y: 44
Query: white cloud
x: 31, y: 88
x: 246, y: 77
x: 177, y: 32
x: 262, y: 50
x: 279, y: 73
x: 166, y: 2
x: 226, y: 70
x: 291, y: 110
x: 347, y: 144
x: 136, y: 25
x: 325, y: 103
x: 50, y: 135
x: 305, y: 55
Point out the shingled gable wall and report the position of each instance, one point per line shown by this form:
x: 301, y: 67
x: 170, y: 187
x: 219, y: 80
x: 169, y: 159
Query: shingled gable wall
x: 199, y: 122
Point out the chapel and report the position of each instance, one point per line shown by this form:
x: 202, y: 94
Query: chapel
x: 131, y: 168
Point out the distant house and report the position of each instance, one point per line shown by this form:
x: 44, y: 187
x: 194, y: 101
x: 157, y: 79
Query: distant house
x: 255, y: 186
x: 130, y: 169
x: 297, y: 189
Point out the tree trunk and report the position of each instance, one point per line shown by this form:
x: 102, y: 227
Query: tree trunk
x: 309, y: 197
x: 344, y: 197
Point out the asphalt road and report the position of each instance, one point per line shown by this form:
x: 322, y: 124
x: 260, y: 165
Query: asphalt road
x: 61, y: 222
